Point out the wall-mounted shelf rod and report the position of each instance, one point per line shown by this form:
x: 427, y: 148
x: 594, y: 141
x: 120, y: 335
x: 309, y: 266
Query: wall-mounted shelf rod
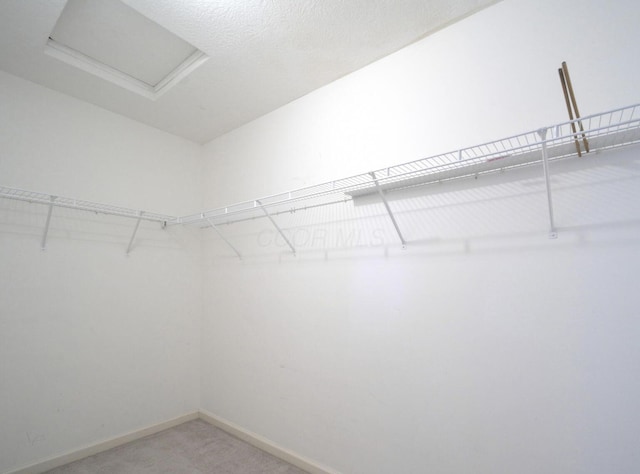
x: 605, y: 130
x: 612, y: 129
x: 89, y: 206
x: 81, y: 205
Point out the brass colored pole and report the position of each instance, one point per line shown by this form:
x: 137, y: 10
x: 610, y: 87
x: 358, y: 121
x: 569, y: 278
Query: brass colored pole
x: 566, y: 99
x: 565, y: 70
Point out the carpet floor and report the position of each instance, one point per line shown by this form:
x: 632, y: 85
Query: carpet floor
x: 195, y: 447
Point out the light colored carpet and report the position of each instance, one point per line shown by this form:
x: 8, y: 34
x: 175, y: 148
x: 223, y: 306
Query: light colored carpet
x: 194, y: 447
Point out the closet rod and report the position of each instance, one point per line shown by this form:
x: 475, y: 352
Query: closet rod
x: 605, y: 130
x: 80, y: 205
x: 615, y: 128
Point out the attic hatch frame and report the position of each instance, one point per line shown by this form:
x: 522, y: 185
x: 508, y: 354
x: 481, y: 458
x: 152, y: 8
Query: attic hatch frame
x: 607, y: 130
x: 66, y: 43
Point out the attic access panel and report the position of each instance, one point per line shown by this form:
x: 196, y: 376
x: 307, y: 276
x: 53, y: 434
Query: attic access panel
x: 113, y: 41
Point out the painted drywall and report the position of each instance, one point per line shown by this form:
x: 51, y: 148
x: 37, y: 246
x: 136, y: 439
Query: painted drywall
x: 93, y: 344
x: 489, y: 76
x: 484, y: 348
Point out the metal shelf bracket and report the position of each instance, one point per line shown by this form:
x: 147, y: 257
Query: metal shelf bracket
x: 135, y: 231
x: 604, y: 131
x: 43, y: 244
x: 214, y: 227
x: 266, y: 213
x: 386, y: 205
x: 553, y: 234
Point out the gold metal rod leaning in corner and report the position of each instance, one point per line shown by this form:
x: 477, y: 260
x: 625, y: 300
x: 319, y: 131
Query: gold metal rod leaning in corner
x: 566, y: 99
x: 565, y: 70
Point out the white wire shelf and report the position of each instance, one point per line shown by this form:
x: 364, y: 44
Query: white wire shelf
x: 81, y: 205
x: 52, y: 201
x: 612, y: 129
x: 615, y: 128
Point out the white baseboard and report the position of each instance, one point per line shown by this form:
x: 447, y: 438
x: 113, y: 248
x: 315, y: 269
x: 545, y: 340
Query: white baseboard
x: 254, y: 439
x: 87, y: 451
x: 266, y: 445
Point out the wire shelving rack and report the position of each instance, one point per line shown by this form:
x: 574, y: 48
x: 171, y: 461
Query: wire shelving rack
x: 52, y: 201
x: 612, y: 129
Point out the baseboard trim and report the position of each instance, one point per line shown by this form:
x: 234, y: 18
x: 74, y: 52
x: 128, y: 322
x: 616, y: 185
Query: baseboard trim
x: 266, y: 445
x: 254, y: 439
x: 87, y: 451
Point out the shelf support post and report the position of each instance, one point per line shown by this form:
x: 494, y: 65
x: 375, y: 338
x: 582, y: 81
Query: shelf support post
x: 545, y: 166
x: 386, y: 205
x: 266, y: 213
x: 135, y: 231
x: 43, y: 243
x: 226, y: 241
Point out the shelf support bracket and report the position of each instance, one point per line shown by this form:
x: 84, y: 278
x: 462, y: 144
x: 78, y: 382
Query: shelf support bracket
x: 226, y: 241
x: 43, y: 243
x: 135, y: 231
x: 386, y: 205
x: 553, y: 234
x: 266, y: 213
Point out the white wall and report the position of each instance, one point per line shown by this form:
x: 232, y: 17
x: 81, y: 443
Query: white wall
x: 487, y: 77
x: 485, y: 348
x: 93, y: 344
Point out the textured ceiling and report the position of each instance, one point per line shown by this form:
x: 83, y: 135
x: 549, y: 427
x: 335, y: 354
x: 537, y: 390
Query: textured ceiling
x: 262, y: 53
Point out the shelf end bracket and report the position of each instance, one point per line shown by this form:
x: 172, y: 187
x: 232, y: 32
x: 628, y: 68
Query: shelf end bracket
x: 553, y: 234
x: 388, y: 208
x: 43, y: 243
x: 226, y: 241
x: 266, y: 213
x: 135, y: 231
